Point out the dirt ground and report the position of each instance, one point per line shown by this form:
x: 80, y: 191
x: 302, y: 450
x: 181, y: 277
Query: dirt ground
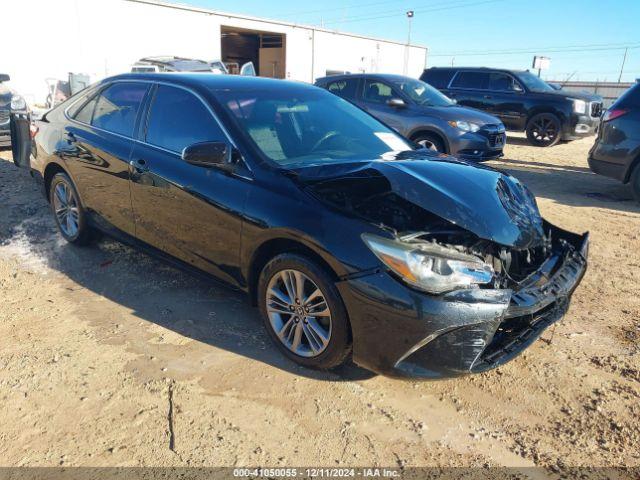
x: 110, y: 358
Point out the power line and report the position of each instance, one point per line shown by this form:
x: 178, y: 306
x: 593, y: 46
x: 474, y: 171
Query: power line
x: 396, y: 12
x: 568, y: 48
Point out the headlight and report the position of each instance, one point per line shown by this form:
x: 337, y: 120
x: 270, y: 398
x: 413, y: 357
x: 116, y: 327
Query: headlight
x: 579, y: 106
x: 18, y: 103
x: 430, y: 267
x: 465, y: 126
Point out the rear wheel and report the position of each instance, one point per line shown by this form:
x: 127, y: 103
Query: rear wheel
x: 430, y: 141
x: 303, y: 312
x: 69, y: 214
x: 543, y: 130
x: 635, y: 182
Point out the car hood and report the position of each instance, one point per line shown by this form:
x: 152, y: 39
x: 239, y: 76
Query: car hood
x: 461, y: 114
x: 493, y: 205
x: 587, y: 97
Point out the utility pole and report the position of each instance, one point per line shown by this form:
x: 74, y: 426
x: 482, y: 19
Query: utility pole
x: 624, y: 59
x: 406, y: 52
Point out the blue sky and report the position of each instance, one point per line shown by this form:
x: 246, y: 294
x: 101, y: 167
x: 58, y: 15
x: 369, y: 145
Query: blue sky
x: 584, y: 39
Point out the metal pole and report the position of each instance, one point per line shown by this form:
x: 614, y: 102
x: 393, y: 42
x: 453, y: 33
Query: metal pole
x: 406, y: 52
x: 624, y: 59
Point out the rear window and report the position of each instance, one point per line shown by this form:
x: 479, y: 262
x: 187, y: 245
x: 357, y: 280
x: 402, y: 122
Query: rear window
x: 473, y: 80
x: 345, y: 88
x: 437, y: 78
x: 630, y: 98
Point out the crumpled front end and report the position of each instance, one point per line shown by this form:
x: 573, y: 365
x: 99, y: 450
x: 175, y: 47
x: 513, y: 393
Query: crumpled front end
x: 400, y: 331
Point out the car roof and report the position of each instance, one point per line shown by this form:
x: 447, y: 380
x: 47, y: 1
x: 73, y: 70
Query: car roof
x: 212, y: 81
x: 487, y: 69
x: 385, y: 76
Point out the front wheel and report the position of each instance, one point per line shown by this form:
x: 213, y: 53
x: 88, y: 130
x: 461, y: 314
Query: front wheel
x: 543, y: 130
x: 430, y: 141
x: 303, y: 312
x: 69, y: 214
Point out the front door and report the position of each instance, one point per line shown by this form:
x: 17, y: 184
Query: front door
x: 192, y: 212
x: 375, y: 97
x: 506, y: 100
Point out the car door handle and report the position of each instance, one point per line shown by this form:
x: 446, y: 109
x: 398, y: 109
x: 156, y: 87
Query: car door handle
x: 138, y: 166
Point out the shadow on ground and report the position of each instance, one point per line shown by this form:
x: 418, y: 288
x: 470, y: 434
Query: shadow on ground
x: 153, y: 291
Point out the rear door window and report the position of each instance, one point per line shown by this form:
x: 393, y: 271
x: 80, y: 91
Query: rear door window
x: 471, y: 80
x: 345, y: 88
x: 178, y: 119
x: 437, y: 78
x: 117, y: 107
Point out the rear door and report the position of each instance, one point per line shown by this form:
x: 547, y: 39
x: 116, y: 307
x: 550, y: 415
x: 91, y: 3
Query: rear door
x: 346, y: 88
x: 470, y: 89
x: 20, y: 124
x: 97, y: 148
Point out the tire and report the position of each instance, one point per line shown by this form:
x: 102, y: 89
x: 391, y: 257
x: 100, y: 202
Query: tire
x: 634, y: 181
x: 544, y: 130
x: 437, y: 144
x: 72, y: 223
x: 334, y: 327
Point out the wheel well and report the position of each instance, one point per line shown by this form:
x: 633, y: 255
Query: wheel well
x: 49, y: 172
x: 273, y: 248
x: 431, y: 133
x: 634, y: 165
x: 538, y: 112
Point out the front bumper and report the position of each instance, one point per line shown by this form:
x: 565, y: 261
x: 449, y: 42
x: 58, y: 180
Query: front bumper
x: 580, y: 126
x: 398, y: 331
x: 478, y: 146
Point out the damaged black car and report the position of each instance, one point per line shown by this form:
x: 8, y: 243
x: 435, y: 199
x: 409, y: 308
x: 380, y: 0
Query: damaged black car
x: 352, y: 242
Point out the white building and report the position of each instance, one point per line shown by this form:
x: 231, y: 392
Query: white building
x: 50, y: 38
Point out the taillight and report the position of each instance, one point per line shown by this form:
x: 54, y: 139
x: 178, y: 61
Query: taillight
x: 33, y: 130
x: 614, y: 113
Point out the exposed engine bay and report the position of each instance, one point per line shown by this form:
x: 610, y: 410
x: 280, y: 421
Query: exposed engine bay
x: 369, y: 195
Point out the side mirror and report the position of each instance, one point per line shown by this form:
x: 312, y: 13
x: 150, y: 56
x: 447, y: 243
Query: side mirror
x: 4, y: 77
x: 396, y: 103
x: 208, y: 154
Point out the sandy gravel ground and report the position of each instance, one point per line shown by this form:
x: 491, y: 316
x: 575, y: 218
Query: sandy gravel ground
x: 109, y: 357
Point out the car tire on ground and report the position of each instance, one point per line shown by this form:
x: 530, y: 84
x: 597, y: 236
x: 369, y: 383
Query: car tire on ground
x: 634, y: 181
x: 70, y: 216
x: 291, y: 289
x: 543, y: 130
x: 432, y: 141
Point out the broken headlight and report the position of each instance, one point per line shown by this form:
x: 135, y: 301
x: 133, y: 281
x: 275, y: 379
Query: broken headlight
x: 429, y: 266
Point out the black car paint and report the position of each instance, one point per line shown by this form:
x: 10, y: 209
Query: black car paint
x: 516, y: 108
x: 412, y: 119
x: 227, y: 222
x: 616, y: 152
x: 5, y: 110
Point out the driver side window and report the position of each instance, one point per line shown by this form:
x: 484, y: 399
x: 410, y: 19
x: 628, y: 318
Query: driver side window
x: 377, y: 92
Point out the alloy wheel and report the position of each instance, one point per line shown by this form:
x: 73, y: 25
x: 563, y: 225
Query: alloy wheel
x: 544, y: 129
x: 298, y: 313
x: 65, y: 206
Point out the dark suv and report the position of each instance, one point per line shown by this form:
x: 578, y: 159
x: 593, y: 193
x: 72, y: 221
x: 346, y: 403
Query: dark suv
x: 422, y: 114
x: 522, y: 101
x: 616, y: 153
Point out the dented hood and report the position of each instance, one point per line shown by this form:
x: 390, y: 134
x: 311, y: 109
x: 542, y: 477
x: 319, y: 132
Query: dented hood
x: 493, y: 205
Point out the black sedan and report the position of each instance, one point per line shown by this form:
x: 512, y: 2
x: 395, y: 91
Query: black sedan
x: 349, y: 240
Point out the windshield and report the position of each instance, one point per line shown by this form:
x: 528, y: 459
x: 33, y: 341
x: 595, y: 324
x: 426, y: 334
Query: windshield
x: 422, y: 93
x: 534, y: 83
x: 297, y: 127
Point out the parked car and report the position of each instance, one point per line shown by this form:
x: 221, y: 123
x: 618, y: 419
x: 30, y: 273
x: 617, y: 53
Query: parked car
x: 349, y: 238
x: 422, y: 114
x: 522, y: 101
x: 179, y: 64
x: 616, y: 152
x: 14, y: 115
